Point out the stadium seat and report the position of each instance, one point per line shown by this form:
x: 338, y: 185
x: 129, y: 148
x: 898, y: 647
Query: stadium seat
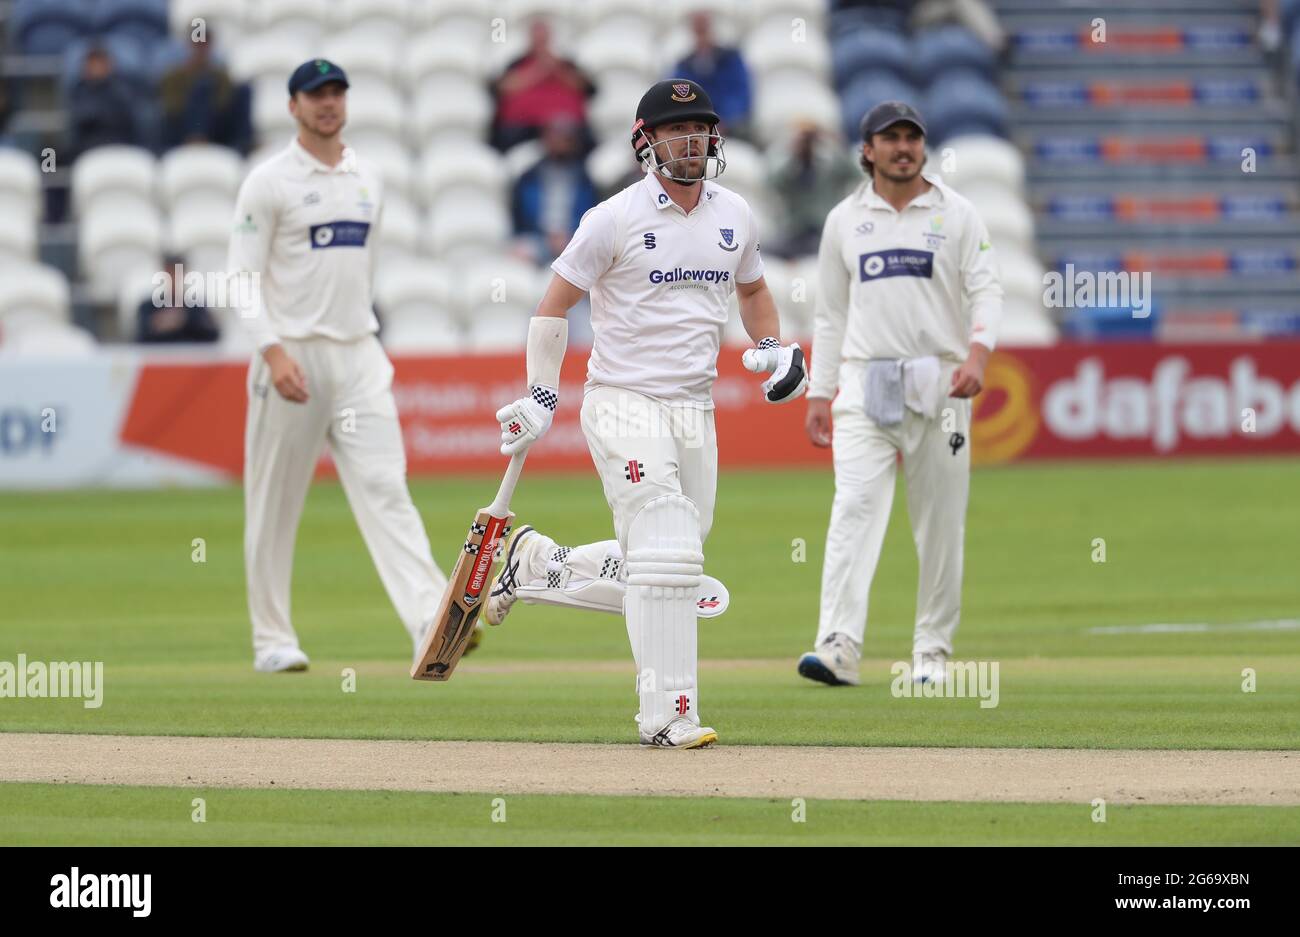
x: 1026, y: 325
x: 39, y: 27
x: 937, y: 50
x: 366, y: 57
x: 963, y: 102
x: 20, y: 186
x: 774, y: 53
x: 142, y: 20
x: 746, y: 169
x: 19, y: 243
x: 398, y: 234
x: 780, y: 104
x: 610, y: 161
x: 28, y: 338
x: 1021, y: 275
x: 272, y: 122
x: 410, y: 288
x: 389, y: 20
x: 270, y: 58
x: 465, y: 224
x: 499, y: 329
x: 497, y: 281
x: 111, y: 243
x: 812, y: 12
x: 451, y: 107
x: 34, y: 289
x: 198, y: 175
x: 111, y: 179
x: 377, y: 116
x: 609, y: 55
x: 393, y: 161
x: 1010, y: 223
x: 870, y: 50
x: 867, y: 90
x: 436, y: 331
x: 611, y: 110
x: 296, y: 20
x: 522, y: 157
x: 437, y: 54
x: 848, y: 20
x: 202, y: 238
x: 985, y: 160
x: 563, y: 15
x: 630, y: 17
x: 465, y: 165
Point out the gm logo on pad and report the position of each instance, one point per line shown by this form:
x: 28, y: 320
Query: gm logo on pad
x: 340, y: 234
x: 895, y: 263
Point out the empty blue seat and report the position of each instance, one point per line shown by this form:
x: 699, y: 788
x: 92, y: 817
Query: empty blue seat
x: 868, y: 90
x: 937, y: 50
x: 143, y: 20
x: 868, y: 50
x: 962, y: 101
x: 49, y: 27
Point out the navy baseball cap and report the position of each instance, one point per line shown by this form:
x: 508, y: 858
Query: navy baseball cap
x: 885, y: 115
x: 311, y: 75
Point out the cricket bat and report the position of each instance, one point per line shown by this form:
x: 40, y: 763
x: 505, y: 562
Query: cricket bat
x: 467, y: 586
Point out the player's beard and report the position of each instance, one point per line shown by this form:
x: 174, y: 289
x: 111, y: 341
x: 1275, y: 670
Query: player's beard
x: 900, y: 174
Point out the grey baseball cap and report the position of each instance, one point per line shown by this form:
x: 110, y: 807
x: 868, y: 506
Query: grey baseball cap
x: 886, y: 114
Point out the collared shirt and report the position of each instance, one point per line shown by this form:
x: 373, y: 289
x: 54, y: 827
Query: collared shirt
x: 661, y: 281
x: 906, y: 284
x: 307, y: 229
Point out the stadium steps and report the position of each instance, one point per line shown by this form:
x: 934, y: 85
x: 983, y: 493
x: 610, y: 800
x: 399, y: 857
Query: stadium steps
x: 1135, y: 152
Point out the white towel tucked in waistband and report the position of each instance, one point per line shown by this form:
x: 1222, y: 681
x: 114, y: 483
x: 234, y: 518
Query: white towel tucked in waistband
x: 890, y: 384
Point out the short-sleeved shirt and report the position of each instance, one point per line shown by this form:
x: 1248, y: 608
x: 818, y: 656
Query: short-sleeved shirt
x: 308, y: 229
x: 661, y: 282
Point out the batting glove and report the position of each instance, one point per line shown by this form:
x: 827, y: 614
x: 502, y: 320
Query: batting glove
x: 527, y: 419
x: 789, y: 376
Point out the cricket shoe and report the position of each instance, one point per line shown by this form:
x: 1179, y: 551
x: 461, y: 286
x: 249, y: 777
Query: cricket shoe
x: 681, y: 733
x: 281, y: 660
x: 835, y: 661
x: 502, y: 594
x: 929, y: 668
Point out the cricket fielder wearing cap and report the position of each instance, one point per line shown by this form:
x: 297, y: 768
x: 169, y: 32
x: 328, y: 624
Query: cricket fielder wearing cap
x: 907, y: 315
x: 660, y: 260
x: 303, y: 223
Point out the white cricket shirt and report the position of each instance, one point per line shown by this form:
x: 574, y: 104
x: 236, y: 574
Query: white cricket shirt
x: 660, y: 281
x: 308, y: 228
x: 906, y: 284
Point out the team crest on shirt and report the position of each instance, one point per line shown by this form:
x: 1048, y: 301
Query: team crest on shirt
x: 728, y: 235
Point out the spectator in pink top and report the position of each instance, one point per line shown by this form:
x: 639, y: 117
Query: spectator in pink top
x: 536, y: 89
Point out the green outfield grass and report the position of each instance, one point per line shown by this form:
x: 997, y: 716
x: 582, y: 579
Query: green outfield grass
x: 109, y: 576
x: 52, y: 814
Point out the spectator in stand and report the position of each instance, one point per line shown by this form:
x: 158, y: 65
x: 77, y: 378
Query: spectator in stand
x: 101, y: 106
x: 536, y: 88
x: 551, y: 198
x: 810, y: 174
x: 165, y: 317
x: 722, y: 71
x: 200, y: 102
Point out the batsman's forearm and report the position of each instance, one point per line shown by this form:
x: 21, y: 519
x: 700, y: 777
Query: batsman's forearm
x: 759, y: 316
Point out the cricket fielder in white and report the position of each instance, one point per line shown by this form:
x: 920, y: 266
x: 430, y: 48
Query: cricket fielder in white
x: 303, y: 223
x: 907, y: 315
x: 661, y: 260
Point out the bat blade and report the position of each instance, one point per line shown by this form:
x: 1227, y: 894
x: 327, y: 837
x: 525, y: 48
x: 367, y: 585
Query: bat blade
x: 467, y: 591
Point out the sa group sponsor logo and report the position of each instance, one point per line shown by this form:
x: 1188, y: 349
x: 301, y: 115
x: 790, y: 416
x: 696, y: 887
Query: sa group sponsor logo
x: 340, y: 234
x: 900, y: 262
x: 682, y: 275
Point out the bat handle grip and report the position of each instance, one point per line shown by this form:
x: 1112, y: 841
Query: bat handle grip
x: 500, y: 506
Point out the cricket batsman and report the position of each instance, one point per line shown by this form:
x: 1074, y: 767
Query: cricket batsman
x: 303, y: 222
x: 907, y: 316
x: 660, y: 260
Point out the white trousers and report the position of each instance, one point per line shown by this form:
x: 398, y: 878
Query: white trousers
x: 645, y: 450
x: 936, y: 466
x: 351, y: 407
